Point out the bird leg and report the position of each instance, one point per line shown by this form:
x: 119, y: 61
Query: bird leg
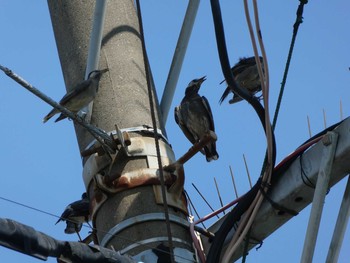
x: 79, y: 236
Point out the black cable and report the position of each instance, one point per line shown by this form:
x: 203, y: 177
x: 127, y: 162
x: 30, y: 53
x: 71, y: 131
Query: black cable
x: 156, y: 136
x: 296, y: 25
x: 282, y: 169
x: 306, y: 180
x: 243, y: 205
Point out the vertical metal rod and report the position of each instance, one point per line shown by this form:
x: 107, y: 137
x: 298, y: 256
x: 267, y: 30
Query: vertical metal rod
x: 246, y: 168
x: 330, y: 143
x: 340, y: 226
x: 324, y: 119
x: 93, y: 58
x: 341, y: 110
x: 308, y: 125
x: 178, y: 58
x: 233, y: 181
x: 218, y: 191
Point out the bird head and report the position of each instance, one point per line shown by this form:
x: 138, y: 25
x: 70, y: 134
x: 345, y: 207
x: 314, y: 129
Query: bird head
x: 84, y: 196
x: 96, y: 74
x: 194, y: 86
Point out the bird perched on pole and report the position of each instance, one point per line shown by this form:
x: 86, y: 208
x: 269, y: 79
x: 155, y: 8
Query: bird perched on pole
x: 75, y: 215
x: 195, y: 118
x: 247, y: 77
x: 80, y: 96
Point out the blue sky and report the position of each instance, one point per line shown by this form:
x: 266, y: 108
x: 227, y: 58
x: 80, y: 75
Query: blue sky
x: 41, y: 165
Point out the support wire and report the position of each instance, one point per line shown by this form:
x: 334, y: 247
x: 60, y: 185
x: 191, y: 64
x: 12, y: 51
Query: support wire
x: 156, y: 136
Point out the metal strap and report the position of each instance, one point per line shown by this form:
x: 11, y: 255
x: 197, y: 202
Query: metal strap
x: 152, y: 240
x: 140, y: 219
x: 143, y: 128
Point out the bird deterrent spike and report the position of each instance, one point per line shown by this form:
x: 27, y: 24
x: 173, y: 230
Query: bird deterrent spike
x: 324, y: 119
x: 233, y: 182
x: 308, y: 125
x: 218, y: 191
x: 246, y: 168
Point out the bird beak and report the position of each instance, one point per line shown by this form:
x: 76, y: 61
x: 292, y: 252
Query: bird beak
x: 202, y: 79
x: 104, y: 70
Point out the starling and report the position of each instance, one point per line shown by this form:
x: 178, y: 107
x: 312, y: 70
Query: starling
x: 163, y: 253
x: 80, y: 96
x: 195, y: 118
x: 76, y: 214
x: 247, y: 77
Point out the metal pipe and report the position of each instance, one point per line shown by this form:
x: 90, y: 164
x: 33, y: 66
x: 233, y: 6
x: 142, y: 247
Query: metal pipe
x: 178, y: 58
x: 93, y: 58
x: 340, y: 226
x: 330, y: 142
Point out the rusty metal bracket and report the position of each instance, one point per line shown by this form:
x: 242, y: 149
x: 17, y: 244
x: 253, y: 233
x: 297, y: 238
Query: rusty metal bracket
x: 146, y: 176
x: 138, y: 147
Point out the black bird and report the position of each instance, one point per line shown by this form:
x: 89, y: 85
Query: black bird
x: 75, y: 215
x: 163, y: 253
x: 247, y: 77
x: 80, y: 96
x: 195, y: 118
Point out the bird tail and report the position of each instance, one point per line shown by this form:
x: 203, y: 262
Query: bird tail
x: 72, y: 227
x: 211, y: 153
x: 49, y: 115
x: 225, y: 94
x: 61, y: 117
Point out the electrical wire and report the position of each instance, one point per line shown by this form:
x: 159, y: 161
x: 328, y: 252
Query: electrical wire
x: 94, y: 229
x: 298, y: 21
x: 156, y: 136
x: 201, y: 220
x: 250, y: 214
x: 250, y: 199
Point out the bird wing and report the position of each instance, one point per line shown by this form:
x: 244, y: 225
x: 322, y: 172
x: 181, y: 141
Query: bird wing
x: 76, y: 209
x: 182, y: 125
x: 206, y: 105
x: 225, y: 94
x: 75, y: 92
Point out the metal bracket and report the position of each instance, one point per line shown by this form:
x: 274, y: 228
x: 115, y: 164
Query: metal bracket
x: 330, y: 145
x: 140, y: 146
x: 145, y: 129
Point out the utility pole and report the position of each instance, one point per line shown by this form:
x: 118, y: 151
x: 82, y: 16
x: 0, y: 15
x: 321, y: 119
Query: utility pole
x: 124, y: 188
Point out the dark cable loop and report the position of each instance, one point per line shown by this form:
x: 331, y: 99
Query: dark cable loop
x: 242, y: 206
x: 156, y: 136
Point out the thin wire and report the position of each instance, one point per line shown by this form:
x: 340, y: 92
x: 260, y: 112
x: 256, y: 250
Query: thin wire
x: 205, y: 200
x: 156, y: 137
x: 30, y: 207
x: 92, y: 228
x: 97, y: 133
x: 194, y: 209
x: 250, y: 214
x: 207, y: 217
x: 298, y: 21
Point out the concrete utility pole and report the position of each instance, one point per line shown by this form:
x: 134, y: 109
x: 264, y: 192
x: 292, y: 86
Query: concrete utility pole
x: 124, y: 189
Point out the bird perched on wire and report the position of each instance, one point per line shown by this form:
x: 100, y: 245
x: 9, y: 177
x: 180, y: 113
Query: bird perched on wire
x: 195, y: 118
x: 80, y: 96
x: 75, y: 215
x: 247, y: 77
